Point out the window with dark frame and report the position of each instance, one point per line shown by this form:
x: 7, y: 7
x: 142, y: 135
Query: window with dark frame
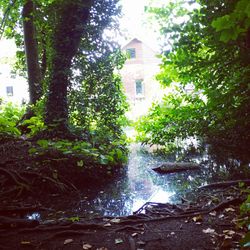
x: 9, y: 90
x: 139, y: 88
x: 131, y: 52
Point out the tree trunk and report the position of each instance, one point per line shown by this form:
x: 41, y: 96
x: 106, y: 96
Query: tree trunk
x: 72, y: 17
x: 31, y: 51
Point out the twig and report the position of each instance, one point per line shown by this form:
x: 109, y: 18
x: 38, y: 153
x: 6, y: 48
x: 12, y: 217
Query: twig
x: 11, y: 175
x: 224, y: 184
x: 128, y: 228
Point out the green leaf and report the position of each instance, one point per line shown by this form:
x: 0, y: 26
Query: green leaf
x: 223, y: 23
x: 32, y: 150
x: 43, y: 143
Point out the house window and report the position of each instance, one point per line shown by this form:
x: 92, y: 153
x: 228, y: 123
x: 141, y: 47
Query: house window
x: 131, y: 52
x: 9, y: 90
x: 139, y: 88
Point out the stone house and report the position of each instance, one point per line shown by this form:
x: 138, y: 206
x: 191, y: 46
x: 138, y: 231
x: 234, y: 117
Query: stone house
x: 138, y: 77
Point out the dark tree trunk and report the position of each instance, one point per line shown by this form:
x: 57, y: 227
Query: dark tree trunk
x: 72, y: 17
x: 31, y: 51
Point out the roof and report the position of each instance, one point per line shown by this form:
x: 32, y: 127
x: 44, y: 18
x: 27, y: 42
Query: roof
x: 138, y: 40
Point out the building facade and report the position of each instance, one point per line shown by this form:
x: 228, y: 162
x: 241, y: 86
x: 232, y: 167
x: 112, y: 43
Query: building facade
x: 138, y: 76
x: 13, y: 88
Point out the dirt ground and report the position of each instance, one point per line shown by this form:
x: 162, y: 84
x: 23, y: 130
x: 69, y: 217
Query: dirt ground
x: 47, y: 184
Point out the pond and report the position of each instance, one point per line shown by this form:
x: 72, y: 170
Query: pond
x: 141, y: 184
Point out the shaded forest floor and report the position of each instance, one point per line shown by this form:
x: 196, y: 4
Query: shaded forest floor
x: 49, y: 184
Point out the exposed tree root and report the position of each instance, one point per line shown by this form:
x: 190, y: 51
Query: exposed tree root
x: 7, y: 222
x: 14, y: 177
x: 60, y: 185
x: 73, y: 226
x: 15, y: 209
x: 225, y: 184
x: 128, y: 228
x: 67, y: 233
x: 193, y: 213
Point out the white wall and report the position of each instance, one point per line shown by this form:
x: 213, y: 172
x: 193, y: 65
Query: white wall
x: 7, y: 79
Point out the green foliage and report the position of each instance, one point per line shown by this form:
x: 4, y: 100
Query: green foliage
x: 195, y: 55
x: 35, y: 124
x: 9, y: 115
x: 96, y: 100
x: 245, y: 211
x: 235, y: 23
x: 175, y: 116
x: 113, y: 154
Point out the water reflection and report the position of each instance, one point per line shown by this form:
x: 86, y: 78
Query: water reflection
x: 142, y: 184
x: 34, y: 216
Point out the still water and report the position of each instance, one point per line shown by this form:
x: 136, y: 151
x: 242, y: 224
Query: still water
x: 141, y: 184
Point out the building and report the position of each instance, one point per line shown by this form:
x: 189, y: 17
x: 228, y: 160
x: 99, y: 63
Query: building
x: 13, y: 88
x: 138, y: 76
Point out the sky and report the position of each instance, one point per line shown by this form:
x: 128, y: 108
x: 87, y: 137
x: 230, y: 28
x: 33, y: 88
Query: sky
x: 134, y: 21
x: 132, y: 24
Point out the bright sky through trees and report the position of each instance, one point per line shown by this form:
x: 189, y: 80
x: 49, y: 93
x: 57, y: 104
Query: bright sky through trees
x: 134, y: 22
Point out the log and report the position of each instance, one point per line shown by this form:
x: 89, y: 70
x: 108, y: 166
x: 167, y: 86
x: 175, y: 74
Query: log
x: 173, y: 167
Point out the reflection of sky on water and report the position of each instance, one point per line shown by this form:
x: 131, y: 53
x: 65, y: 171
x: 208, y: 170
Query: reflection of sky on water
x: 34, y: 216
x: 141, y: 184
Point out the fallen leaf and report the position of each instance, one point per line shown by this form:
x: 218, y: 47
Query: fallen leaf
x: 118, y: 241
x: 229, y: 209
x: 79, y: 163
x: 172, y: 233
x: 229, y: 232
x: 86, y: 246
x: 105, y: 219
x: 107, y: 225
x: 197, y: 218
x: 208, y: 231
x: 115, y: 220
x: 221, y: 216
x: 134, y: 234
x: 209, y: 203
x: 198, y: 223
x: 213, y: 213
x: 67, y: 241
x: 24, y: 242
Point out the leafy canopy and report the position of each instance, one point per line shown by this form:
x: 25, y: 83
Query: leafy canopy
x: 200, y: 51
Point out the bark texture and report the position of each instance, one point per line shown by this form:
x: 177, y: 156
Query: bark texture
x: 72, y: 17
x: 31, y: 51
